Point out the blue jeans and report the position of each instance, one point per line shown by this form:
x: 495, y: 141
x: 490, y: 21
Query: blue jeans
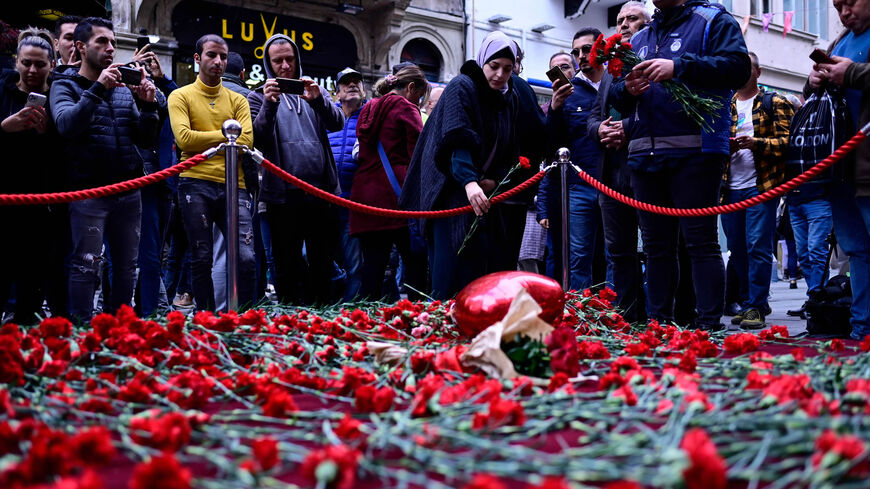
x: 203, y: 205
x: 852, y: 235
x: 117, y: 219
x: 583, y: 218
x: 811, y: 224
x: 688, y: 182
x: 750, y: 240
x: 155, y: 210
x: 350, y: 256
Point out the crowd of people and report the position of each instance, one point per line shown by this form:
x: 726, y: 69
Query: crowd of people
x: 75, y: 119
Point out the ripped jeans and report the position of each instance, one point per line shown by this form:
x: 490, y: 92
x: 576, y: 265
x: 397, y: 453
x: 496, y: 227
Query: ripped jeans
x: 116, y: 218
x: 203, y: 204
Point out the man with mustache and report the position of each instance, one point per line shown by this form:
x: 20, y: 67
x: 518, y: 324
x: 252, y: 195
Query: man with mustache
x: 291, y: 130
x: 351, y: 98
x: 607, y: 126
x: 566, y: 122
x: 102, y: 120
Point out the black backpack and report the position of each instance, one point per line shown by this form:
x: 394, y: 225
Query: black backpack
x: 828, y: 309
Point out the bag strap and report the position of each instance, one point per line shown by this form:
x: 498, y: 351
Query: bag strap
x: 388, y: 169
x: 767, y: 103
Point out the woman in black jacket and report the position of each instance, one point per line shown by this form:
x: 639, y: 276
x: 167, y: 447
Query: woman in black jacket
x: 467, y: 146
x: 31, y: 165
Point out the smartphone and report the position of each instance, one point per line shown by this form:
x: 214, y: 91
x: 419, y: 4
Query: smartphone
x: 130, y: 76
x: 141, y: 42
x: 555, y: 74
x: 291, y: 86
x: 35, y: 100
x: 821, y: 57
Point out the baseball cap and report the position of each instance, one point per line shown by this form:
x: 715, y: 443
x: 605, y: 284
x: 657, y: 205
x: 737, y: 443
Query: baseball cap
x: 347, y: 72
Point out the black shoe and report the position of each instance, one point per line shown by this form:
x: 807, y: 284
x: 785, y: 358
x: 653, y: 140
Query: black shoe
x: 765, y: 310
x: 801, y: 313
x: 738, y: 318
x: 712, y: 328
x: 792, y: 284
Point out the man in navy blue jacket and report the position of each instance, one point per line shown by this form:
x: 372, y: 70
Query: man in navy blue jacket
x: 102, y: 122
x: 674, y: 162
x: 566, y: 122
x: 351, y: 98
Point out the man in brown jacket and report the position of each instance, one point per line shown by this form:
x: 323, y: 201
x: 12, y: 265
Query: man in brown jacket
x: 850, y: 195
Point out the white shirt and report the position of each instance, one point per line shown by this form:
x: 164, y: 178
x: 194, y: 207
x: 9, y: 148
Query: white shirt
x: 742, y: 173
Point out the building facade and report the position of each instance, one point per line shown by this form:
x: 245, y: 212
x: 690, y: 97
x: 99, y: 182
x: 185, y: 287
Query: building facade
x: 373, y: 35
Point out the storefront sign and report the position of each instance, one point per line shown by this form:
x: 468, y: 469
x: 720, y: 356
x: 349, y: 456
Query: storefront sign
x: 324, y: 49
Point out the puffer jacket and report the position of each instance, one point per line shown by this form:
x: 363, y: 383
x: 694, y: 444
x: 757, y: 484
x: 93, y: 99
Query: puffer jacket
x: 101, y: 129
x: 342, y: 143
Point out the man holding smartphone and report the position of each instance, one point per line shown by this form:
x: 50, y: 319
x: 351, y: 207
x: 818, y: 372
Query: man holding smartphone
x: 566, y: 123
x: 102, y: 121
x: 291, y: 120
x: 197, y: 112
x: 849, y: 195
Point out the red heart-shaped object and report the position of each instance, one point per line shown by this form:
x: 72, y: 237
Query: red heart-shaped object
x: 486, y: 300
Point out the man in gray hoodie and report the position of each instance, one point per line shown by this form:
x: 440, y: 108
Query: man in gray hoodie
x: 291, y: 130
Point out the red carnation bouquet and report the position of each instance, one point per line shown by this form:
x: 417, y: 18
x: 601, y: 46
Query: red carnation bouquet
x: 621, y: 59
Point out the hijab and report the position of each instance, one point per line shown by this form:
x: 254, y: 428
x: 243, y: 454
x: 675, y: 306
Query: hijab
x: 493, y: 44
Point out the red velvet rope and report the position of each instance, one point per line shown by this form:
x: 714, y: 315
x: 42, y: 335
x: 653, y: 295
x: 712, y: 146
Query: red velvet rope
x: 737, y: 206
x: 377, y: 211
x: 93, y: 193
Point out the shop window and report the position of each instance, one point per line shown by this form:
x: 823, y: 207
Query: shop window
x: 425, y: 55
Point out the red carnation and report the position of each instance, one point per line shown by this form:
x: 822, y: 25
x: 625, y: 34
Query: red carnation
x: 55, y: 327
x: 707, y: 469
x: 552, y: 482
x: 161, y: 472
x: 741, y: 343
x: 524, y: 163
x: 564, y: 351
x: 484, y: 481
x: 597, y: 51
x: 280, y: 404
x: 94, y: 446
x: 335, y: 466
x: 265, y: 452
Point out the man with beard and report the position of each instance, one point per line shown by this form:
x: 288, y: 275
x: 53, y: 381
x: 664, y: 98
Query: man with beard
x: 292, y: 131
x: 197, y: 112
x: 566, y: 122
x: 607, y: 126
x: 673, y: 161
x: 102, y: 121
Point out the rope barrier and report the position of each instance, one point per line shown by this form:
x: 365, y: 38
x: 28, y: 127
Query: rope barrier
x: 93, y: 193
x: 377, y: 211
x: 773, y: 193
x: 54, y: 198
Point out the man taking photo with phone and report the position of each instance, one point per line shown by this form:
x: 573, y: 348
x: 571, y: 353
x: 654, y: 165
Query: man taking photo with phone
x: 849, y: 195
x: 197, y: 112
x: 102, y: 121
x: 291, y: 130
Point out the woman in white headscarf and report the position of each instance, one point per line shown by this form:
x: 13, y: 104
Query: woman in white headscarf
x: 466, y: 147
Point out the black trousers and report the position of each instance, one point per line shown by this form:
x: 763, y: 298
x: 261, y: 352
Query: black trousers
x: 376, y: 247
x: 303, y: 220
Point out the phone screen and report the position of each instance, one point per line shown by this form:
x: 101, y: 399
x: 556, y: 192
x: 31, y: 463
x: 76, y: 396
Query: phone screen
x: 555, y: 74
x: 291, y: 86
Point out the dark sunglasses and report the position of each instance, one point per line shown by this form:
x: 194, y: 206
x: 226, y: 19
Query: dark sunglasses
x: 584, y: 49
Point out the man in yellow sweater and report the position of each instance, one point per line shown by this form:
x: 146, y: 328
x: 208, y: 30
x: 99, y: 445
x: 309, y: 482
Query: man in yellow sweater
x: 196, y: 113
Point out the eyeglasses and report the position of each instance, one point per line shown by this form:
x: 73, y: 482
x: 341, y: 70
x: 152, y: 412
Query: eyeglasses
x: 584, y: 49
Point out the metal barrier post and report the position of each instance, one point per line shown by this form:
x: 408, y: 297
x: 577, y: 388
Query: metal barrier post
x: 232, y: 130
x: 564, y: 156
